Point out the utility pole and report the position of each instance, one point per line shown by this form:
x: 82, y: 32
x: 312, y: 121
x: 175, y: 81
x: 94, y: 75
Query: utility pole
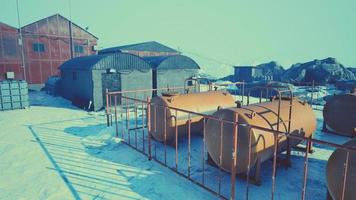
x: 20, y: 41
x: 70, y: 30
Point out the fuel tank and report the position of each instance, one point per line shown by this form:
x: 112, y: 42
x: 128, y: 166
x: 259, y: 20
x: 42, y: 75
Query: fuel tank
x: 303, y: 122
x: 164, y: 121
x: 340, y: 114
x: 334, y: 173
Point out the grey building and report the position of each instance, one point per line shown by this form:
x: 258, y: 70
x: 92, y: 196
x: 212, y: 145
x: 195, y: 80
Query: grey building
x: 247, y: 73
x: 171, y: 71
x: 84, y: 79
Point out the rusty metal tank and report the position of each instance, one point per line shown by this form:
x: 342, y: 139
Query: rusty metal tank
x: 204, y: 102
x: 262, y: 142
x: 335, y: 170
x: 340, y: 114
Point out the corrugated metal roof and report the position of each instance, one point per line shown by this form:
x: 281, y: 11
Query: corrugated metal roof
x: 4, y: 24
x: 55, y: 15
x: 119, y: 61
x: 109, y: 50
x: 172, y: 62
x: 151, y: 46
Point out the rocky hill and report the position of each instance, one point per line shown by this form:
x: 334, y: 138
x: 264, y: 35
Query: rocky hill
x: 328, y: 70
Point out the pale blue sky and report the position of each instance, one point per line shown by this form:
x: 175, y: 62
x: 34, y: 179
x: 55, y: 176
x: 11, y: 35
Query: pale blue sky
x: 222, y: 32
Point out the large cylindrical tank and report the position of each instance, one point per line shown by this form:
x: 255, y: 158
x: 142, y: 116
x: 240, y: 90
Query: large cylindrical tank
x: 204, y: 102
x: 335, y: 170
x: 262, y: 142
x: 340, y: 114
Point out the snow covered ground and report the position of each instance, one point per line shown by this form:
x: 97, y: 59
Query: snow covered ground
x: 45, y: 154
x: 53, y: 150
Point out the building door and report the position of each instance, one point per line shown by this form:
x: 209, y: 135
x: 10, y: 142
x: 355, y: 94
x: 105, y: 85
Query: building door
x: 112, y: 82
x: 154, y: 82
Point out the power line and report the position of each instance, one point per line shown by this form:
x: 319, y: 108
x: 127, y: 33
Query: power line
x: 70, y: 29
x: 207, y: 58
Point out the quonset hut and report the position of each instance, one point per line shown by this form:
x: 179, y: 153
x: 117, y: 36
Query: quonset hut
x: 169, y: 67
x: 131, y: 67
x: 84, y: 79
x: 171, y: 71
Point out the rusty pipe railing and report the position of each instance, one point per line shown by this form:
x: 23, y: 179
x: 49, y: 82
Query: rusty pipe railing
x: 236, y: 123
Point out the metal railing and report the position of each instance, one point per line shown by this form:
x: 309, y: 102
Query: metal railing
x: 136, y: 116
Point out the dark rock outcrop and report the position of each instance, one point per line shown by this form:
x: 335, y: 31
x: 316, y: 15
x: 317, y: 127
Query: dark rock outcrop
x: 352, y: 69
x: 321, y: 71
x: 272, y: 69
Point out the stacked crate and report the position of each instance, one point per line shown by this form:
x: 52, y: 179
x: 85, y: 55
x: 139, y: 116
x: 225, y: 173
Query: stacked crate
x: 13, y: 95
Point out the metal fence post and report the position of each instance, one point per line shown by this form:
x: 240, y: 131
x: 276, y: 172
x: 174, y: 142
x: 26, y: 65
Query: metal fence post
x: 189, y: 124
x: 220, y: 156
x: 234, y: 156
x: 107, y: 107
x: 203, y: 163
x: 305, y: 170
x: 149, y: 127
x: 116, y: 122
x: 344, y: 176
x: 312, y: 94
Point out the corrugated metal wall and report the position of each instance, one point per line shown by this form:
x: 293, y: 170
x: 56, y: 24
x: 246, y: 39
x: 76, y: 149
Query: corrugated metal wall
x: 174, y: 77
x: 10, y: 54
x: 132, y: 80
x: 134, y: 72
x: 77, y: 86
x: 53, y: 33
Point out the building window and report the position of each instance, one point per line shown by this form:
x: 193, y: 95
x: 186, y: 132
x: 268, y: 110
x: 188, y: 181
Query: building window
x: 78, y: 49
x: 74, y: 75
x: 38, y: 47
x: 10, y: 47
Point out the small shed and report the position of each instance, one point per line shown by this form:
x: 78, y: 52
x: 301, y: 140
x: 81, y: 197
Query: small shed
x: 247, y: 73
x: 84, y: 79
x: 171, y: 71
